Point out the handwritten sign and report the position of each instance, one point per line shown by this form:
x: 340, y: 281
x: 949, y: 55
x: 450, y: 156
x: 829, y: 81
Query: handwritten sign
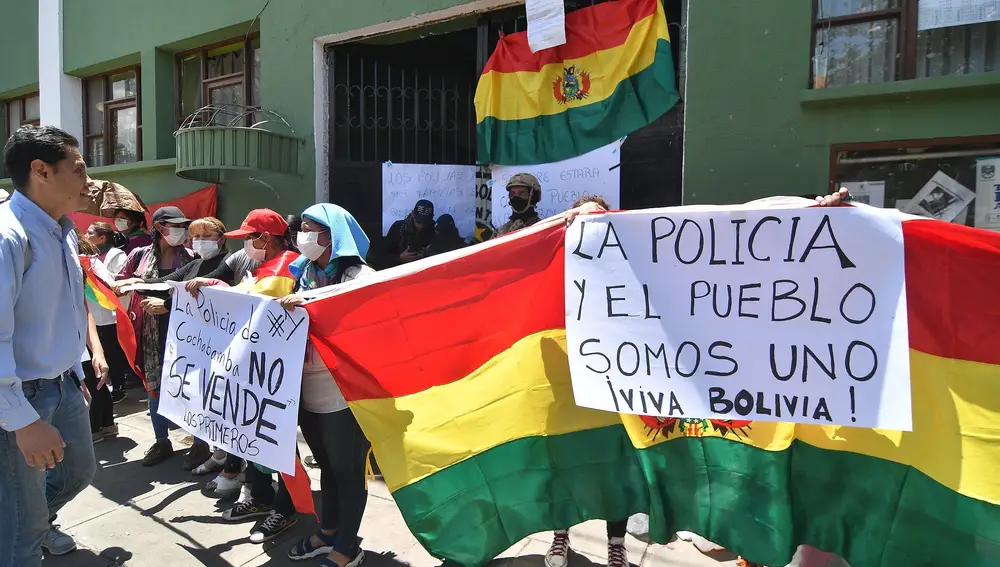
x: 795, y: 315
x: 988, y: 193
x: 593, y: 173
x: 232, y: 373
x: 452, y: 189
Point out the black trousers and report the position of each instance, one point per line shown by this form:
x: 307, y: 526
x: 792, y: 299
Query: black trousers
x: 262, y: 493
x: 102, y: 410
x: 340, y: 449
x: 114, y: 355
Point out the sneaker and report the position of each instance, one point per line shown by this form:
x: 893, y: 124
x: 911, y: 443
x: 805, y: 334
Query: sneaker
x: 197, y: 455
x: 110, y: 431
x: 159, y: 452
x: 243, y: 511
x: 272, y: 527
x: 58, y: 542
x: 225, y: 486
x: 310, y: 462
x: 558, y: 554
x: 118, y: 396
x: 617, y: 556
x: 98, y: 436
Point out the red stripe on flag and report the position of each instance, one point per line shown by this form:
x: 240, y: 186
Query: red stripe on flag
x: 588, y: 30
x: 951, y: 284
x: 123, y: 323
x: 438, y: 325
x: 300, y: 489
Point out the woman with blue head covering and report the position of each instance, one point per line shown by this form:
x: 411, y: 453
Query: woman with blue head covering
x: 333, y: 248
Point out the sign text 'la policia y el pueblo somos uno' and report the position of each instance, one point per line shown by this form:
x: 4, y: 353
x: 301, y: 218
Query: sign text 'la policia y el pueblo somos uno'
x: 795, y: 315
x: 232, y: 373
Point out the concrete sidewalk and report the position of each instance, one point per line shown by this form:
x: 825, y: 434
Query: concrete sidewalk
x: 158, y: 516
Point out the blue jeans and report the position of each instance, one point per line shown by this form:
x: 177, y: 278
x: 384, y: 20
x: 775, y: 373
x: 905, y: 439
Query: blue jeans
x: 31, y: 497
x: 161, y: 425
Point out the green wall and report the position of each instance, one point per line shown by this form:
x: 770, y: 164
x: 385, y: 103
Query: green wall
x: 748, y: 131
x: 18, y: 47
x: 102, y: 34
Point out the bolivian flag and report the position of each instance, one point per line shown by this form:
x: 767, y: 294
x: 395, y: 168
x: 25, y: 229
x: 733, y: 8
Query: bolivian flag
x: 456, y: 368
x: 614, y: 75
x: 97, y: 291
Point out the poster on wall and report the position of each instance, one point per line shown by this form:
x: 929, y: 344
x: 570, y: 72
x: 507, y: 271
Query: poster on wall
x: 563, y: 182
x: 672, y: 313
x: 988, y: 193
x: 452, y: 189
x: 942, y: 198
x: 867, y: 192
x: 932, y: 14
x: 546, y: 23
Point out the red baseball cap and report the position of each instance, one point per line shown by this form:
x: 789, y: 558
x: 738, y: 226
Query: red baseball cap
x: 263, y: 221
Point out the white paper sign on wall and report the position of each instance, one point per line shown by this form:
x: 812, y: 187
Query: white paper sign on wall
x: 594, y: 173
x: 546, y: 23
x: 730, y: 313
x: 232, y: 373
x: 452, y: 189
x: 988, y: 193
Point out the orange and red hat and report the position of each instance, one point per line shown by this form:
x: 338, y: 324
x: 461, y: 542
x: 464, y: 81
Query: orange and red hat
x: 260, y: 221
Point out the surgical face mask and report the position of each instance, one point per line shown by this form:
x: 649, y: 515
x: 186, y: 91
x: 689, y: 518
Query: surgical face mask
x: 308, y: 243
x: 206, y: 249
x: 255, y: 254
x: 175, y: 236
x: 121, y: 225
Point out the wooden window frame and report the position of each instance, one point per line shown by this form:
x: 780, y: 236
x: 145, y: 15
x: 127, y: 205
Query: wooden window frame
x: 111, y: 106
x: 906, y: 47
x: 207, y: 84
x: 23, y: 118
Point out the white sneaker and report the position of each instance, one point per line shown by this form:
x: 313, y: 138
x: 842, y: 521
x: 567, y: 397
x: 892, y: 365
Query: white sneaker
x: 558, y: 554
x: 58, y: 542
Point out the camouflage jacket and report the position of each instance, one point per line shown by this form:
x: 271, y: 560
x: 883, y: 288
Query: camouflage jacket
x: 516, y: 223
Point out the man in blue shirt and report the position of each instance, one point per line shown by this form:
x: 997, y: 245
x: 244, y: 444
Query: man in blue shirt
x: 46, y: 450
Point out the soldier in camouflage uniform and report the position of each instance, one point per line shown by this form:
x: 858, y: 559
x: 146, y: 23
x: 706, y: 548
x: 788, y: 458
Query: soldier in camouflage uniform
x: 524, y: 192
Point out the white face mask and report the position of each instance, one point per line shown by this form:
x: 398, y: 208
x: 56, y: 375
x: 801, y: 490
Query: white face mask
x: 175, y: 236
x: 206, y: 249
x: 121, y: 225
x: 255, y: 254
x: 309, y: 246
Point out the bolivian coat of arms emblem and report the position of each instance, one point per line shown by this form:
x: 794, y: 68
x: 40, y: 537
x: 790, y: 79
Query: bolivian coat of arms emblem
x: 573, y: 84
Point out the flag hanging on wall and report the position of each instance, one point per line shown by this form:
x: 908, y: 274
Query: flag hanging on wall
x: 458, y: 374
x: 614, y: 75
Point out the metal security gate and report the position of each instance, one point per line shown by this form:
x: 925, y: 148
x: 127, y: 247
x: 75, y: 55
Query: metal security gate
x: 408, y: 98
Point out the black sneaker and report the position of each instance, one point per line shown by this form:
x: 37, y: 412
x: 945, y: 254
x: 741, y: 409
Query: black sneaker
x: 272, y: 527
x: 159, y: 452
x: 246, y: 510
x: 118, y: 396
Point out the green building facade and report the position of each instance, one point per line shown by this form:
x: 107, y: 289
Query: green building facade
x: 779, y: 96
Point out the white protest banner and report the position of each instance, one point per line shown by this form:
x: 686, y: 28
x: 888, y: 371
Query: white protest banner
x: 795, y: 315
x: 232, y: 373
x: 452, y: 189
x: 563, y: 182
x: 988, y: 193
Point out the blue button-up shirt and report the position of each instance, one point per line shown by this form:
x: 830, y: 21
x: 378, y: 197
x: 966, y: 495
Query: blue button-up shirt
x: 43, y: 319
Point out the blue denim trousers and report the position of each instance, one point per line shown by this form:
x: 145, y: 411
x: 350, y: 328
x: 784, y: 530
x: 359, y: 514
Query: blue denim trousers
x: 29, y: 497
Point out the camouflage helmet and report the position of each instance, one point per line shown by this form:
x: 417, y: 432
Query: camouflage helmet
x: 524, y: 180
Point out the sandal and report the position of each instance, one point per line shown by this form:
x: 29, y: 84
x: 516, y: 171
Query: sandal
x: 210, y: 466
x: 304, y: 549
x: 353, y: 563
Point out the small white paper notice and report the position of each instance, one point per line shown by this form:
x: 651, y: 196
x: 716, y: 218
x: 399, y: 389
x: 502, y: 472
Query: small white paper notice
x: 942, y: 198
x: 933, y: 14
x: 594, y: 173
x: 988, y: 193
x: 546, y: 23
x: 452, y: 189
x: 795, y: 315
x: 867, y: 192
x: 232, y: 373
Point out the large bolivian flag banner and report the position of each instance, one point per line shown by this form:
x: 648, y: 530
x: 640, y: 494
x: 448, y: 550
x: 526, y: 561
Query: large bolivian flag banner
x: 614, y: 75
x: 457, y: 371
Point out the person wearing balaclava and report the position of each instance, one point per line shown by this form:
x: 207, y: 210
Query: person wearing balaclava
x: 524, y: 192
x: 164, y: 256
x: 408, y: 239
x: 333, y: 247
x: 447, y: 238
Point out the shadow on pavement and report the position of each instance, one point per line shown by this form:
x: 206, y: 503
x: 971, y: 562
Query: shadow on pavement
x: 111, y: 557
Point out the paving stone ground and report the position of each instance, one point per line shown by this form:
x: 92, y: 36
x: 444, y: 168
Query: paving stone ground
x: 159, y: 516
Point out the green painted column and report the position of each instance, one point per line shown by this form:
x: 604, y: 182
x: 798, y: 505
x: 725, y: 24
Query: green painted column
x: 158, y: 104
